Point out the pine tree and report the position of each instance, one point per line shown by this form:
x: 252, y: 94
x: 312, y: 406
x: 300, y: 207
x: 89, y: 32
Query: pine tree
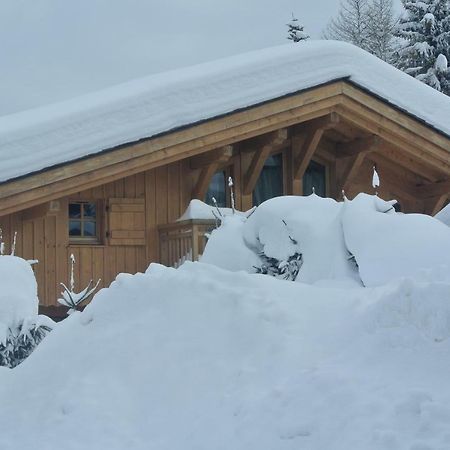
x: 425, y: 31
x: 296, y: 31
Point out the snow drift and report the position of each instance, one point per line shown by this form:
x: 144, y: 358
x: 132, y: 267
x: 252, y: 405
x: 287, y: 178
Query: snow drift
x: 202, y: 358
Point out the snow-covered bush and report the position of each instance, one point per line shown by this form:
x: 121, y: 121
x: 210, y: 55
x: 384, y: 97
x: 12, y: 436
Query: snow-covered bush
x: 69, y: 297
x: 312, y: 239
x: 21, y: 328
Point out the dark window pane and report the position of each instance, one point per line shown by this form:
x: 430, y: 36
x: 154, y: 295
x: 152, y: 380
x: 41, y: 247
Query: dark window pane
x: 217, y: 189
x: 74, y: 228
x: 270, y: 182
x: 89, y: 228
x: 74, y: 210
x: 89, y: 210
x: 315, y: 177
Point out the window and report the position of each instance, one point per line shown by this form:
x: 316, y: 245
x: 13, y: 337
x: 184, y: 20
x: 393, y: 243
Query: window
x: 217, y: 189
x: 83, y: 222
x: 315, y: 177
x: 270, y: 182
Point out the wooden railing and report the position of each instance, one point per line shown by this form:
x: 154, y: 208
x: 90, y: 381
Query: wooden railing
x: 183, y: 241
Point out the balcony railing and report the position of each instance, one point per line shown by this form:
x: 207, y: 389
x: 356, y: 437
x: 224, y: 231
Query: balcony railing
x: 183, y: 241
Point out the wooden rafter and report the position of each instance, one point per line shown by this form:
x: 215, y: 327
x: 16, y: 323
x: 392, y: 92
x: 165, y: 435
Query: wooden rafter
x: 267, y: 145
x: 315, y: 130
x: 412, y: 143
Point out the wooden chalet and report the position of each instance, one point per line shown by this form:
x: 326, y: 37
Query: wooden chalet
x: 117, y: 210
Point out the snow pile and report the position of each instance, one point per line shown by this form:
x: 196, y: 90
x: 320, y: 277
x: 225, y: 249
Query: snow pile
x: 18, y: 292
x: 202, y: 358
x: 363, y: 240
x: 20, y: 326
x: 202, y: 211
x: 422, y: 304
x: 389, y: 245
x: 41, y: 138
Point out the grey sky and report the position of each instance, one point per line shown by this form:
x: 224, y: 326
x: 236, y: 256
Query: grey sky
x: 56, y: 49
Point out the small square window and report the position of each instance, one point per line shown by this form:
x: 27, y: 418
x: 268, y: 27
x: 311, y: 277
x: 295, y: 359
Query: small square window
x: 83, y: 225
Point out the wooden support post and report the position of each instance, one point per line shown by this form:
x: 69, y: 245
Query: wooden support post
x: 256, y: 165
x: 201, y: 187
x: 316, y: 128
x: 267, y: 144
x: 209, y: 164
x: 435, y: 204
x: 351, y: 170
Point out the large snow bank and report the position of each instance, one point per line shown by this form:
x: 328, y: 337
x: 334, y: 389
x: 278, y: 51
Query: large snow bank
x: 58, y: 133
x: 201, y: 358
x: 332, y: 237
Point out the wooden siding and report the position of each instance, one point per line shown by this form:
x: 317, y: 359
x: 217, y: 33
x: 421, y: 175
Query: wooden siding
x: 42, y: 234
x: 166, y: 191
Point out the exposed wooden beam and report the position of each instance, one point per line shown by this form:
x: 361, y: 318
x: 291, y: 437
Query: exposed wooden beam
x: 315, y: 129
x: 267, y: 143
x: 201, y: 187
x: 433, y: 189
x: 353, y: 165
x: 220, y: 155
x: 411, y: 142
x: 435, y: 204
x: 361, y: 145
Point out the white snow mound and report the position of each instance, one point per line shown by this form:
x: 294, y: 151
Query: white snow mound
x: 363, y: 240
x: 202, y: 358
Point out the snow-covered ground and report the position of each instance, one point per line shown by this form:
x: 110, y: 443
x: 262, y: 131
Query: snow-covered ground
x: 54, y: 134
x: 202, y: 357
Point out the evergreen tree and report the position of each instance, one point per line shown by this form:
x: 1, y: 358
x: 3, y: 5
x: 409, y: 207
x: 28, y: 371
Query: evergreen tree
x: 296, y: 31
x: 425, y: 51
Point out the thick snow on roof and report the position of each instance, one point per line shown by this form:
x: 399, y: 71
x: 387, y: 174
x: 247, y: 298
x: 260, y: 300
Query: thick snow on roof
x: 43, y: 137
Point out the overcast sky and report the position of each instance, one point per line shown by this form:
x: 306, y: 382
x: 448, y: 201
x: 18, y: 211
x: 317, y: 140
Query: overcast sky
x: 56, y: 49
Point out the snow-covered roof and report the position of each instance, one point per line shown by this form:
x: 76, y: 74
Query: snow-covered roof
x: 37, y: 139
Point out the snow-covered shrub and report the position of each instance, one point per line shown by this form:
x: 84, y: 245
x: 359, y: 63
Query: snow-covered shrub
x: 73, y: 299
x: 21, y: 328
x: 312, y: 239
x: 287, y: 269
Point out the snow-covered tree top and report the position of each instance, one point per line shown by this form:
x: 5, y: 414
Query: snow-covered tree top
x: 43, y: 137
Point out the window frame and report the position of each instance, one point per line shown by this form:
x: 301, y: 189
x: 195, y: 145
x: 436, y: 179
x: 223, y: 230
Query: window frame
x: 87, y: 240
